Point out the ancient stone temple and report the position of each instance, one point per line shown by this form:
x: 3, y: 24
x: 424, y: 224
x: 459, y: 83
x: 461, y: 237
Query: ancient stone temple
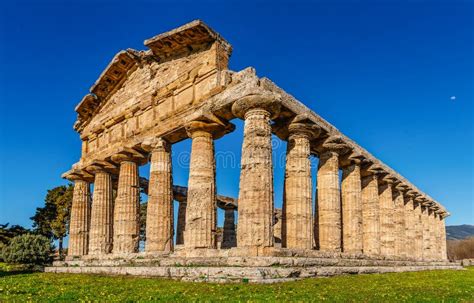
x: 370, y: 220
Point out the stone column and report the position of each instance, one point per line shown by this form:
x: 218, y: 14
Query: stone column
x: 409, y: 227
x: 254, y: 229
x: 80, y: 219
x: 101, y: 228
x: 297, y: 217
x: 201, y: 210
x: 443, y: 249
x: 425, y: 221
x: 329, y: 202
x: 418, y: 227
x: 432, y: 226
x: 351, y: 195
x: 399, y: 224
x: 181, y: 226
x: 229, y: 237
x: 370, y: 215
x: 437, y: 231
x: 159, y: 217
x: 127, y: 207
x: 387, y: 230
x: 277, y: 230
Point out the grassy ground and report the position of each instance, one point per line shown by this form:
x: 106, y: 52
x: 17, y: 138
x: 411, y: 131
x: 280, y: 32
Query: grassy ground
x: 433, y: 286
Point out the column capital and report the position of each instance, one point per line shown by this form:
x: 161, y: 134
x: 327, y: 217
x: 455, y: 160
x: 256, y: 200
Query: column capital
x: 102, y: 166
x: 215, y: 130
x: 154, y: 144
x: 350, y: 159
x: 331, y: 145
x: 267, y: 102
x: 129, y: 155
x: 78, y: 175
x: 301, y: 129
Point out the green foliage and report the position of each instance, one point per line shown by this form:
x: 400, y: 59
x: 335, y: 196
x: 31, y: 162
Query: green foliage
x: 52, y: 220
x: 7, y: 233
x: 2, y: 246
x: 428, y: 286
x: 28, y: 249
x: 143, y: 207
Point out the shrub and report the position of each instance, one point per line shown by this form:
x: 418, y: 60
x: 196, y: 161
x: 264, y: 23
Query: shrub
x: 28, y: 249
x: 1, y: 249
x: 461, y: 249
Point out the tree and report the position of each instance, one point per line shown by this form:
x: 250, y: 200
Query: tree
x: 28, y: 249
x: 7, y: 233
x: 52, y: 220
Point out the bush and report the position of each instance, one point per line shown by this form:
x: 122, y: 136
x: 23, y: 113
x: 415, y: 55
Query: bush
x: 28, y: 249
x: 461, y: 249
x: 1, y: 249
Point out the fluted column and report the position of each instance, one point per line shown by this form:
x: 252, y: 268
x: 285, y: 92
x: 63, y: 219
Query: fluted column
x: 425, y: 221
x: 159, y: 218
x: 351, y: 195
x: 127, y: 207
x: 399, y: 224
x: 101, y: 228
x: 229, y: 238
x: 370, y: 215
x: 387, y: 230
x: 181, y: 225
x: 254, y: 229
x: 277, y: 230
x: 80, y: 219
x: 443, y: 249
x: 297, y: 223
x: 201, y: 209
x: 418, y: 227
x: 433, y: 232
x: 409, y: 227
x: 329, y: 202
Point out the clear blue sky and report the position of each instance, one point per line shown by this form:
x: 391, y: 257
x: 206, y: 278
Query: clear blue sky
x: 384, y: 74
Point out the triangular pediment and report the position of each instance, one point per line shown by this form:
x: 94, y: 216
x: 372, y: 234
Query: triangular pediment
x: 179, y: 43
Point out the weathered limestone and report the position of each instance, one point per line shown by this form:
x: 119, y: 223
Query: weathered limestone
x: 80, y: 219
x: 351, y: 195
x: 254, y: 228
x: 387, y: 230
x: 101, y: 228
x: 127, y: 207
x: 201, y: 210
x: 181, y: 225
x: 409, y: 227
x: 370, y: 215
x: 297, y: 217
x: 442, y: 239
x: 277, y: 227
x: 418, y: 228
x: 181, y: 88
x: 229, y: 238
x: 159, y: 221
x: 425, y: 222
x: 399, y: 224
x: 433, y: 233
x: 329, y: 202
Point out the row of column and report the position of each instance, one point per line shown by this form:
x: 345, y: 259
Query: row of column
x: 361, y: 214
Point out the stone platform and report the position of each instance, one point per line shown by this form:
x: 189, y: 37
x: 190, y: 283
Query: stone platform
x: 241, y: 269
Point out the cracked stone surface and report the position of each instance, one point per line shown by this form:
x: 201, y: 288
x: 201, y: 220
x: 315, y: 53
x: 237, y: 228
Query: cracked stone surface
x: 101, y: 229
x: 159, y: 221
x: 79, y: 223
x: 370, y: 215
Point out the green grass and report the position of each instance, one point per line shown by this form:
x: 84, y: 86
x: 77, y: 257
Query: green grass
x: 431, y: 286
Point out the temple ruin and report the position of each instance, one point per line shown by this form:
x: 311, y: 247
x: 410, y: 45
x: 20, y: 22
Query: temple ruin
x: 373, y: 220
